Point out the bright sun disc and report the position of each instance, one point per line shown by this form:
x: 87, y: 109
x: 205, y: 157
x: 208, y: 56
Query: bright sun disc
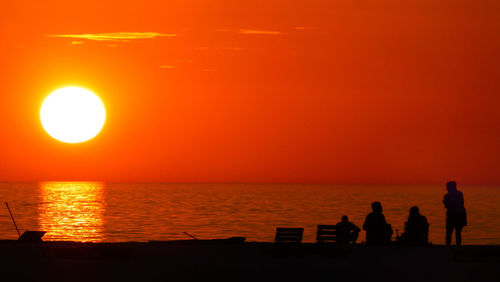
x: 72, y: 114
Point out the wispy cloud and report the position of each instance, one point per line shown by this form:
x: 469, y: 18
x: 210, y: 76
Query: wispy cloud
x: 76, y: 42
x: 114, y: 36
x: 167, y: 67
x: 304, y: 27
x: 206, y: 48
x: 182, y: 61
x: 256, y: 31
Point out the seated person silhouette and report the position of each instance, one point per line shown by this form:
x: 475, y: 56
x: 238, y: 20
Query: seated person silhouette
x: 378, y: 232
x: 416, y: 229
x: 347, y: 232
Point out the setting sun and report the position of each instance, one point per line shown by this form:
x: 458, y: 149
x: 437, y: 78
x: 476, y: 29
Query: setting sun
x: 72, y: 114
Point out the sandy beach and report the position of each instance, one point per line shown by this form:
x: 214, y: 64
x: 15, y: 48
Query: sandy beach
x: 184, y: 261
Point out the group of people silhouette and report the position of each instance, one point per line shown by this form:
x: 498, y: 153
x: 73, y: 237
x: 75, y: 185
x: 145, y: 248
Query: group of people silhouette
x: 416, y: 230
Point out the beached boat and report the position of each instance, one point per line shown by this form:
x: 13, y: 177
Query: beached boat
x: 197, y: 242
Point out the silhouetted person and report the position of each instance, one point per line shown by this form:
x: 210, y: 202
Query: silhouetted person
x: 456, y: 217
x: 416, y: 229
x: 347, y: 232
x: 378, y: 232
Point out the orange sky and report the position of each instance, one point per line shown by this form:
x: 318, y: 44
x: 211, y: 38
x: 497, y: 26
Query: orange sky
x: 348, y: 91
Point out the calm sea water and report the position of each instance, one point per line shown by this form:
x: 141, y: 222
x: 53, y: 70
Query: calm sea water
x: 107, y: 212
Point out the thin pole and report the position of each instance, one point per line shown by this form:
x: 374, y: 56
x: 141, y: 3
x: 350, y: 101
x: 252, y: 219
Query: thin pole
x: 190, y: 235
x: 13, y: 220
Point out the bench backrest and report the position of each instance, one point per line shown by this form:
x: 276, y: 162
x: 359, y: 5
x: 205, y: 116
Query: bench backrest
x: 326, y: 233
x: 289, y: 235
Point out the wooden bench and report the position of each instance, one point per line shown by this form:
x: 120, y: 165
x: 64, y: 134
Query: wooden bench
x: 326, y: 234
x: 289, y: 235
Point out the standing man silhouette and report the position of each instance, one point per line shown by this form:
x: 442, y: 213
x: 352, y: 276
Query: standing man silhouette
x: 456, y: 217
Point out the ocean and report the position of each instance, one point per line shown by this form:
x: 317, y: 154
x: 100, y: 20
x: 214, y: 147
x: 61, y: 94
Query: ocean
x: 118, y: 212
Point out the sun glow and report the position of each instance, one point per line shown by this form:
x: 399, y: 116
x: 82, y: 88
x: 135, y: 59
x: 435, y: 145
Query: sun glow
x: 72, y: 211
x: 72, y: 114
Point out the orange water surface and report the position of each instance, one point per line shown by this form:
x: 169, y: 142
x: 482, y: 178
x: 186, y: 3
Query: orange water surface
x: 109, y: 212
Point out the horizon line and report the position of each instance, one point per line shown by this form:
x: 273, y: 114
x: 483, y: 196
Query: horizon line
x: 241, y: 183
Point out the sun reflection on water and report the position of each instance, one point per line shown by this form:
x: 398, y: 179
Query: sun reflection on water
x: 72, y: 211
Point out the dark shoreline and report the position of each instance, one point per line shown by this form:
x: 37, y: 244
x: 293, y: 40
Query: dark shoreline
x: 184, y: 261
